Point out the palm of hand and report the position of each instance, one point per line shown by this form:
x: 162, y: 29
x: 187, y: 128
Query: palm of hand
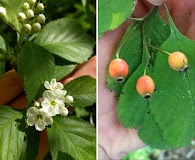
x: 114, y: 140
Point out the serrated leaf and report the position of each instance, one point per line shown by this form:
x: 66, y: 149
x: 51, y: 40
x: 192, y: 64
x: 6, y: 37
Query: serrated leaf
x: 65, y: 38
x: 12, y: 139
x: 62, y: 71
x: 73, y: 136
x: 113, y: 13
x: 167, y: 120
x: 131, y: 45
x: 35, y: 66
x: 83, y: 90
x: 12, y: 9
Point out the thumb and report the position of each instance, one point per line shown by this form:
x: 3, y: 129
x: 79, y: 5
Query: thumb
x: 157, y: 2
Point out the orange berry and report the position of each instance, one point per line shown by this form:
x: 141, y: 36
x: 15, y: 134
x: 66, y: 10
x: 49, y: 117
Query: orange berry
x: 178, y: 61
x: 118, y: 69
x: 145, y: 86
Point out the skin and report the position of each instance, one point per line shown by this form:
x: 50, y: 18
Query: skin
x: 114, y: 141
x: 11, y: 94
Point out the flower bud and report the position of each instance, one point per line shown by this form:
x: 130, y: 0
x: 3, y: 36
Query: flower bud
x: 29, y: 13
x: 41, y: 18
x: 37, y: 104
x: 27, y: 28
x: 25, y: 6
x: 21, y: 17
x: 69, y: 99
x: 40, y: 7
x: 32, y: 2
x: 2, y: 11
x: 36, y: 27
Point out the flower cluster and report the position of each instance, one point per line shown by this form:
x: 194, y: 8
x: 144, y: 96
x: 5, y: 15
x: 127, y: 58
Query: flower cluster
x: 52, y: 104
x: 31, y: 17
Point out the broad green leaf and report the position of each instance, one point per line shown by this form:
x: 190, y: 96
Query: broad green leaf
x: 11, y: 138
x: 62, y: 71
x: 12, y: 9
x: 35, y: 66
x: 167, y: 119
x: 113, y: 13
x: 83, y: 90
x: 131, y: 46
x: 73, y: 136
x: 65, y: 38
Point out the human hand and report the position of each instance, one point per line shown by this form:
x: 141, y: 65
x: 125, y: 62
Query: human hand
x: 11, y: 94
x: 114, y: 140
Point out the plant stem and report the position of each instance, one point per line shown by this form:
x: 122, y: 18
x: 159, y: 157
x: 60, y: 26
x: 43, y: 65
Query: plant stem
x: 135, y: 19
x: 127, y: 36
x: 19, y: 44
x: 148, y: 54
x: 158, y: 49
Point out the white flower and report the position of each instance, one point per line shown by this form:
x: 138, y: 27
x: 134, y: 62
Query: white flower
x: 52, y: 103
x: 2, y: 11
x: 39, y: 118
x: 55, y: 87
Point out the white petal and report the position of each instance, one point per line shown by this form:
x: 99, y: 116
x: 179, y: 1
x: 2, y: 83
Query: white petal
x: 47, y: 85
x: 53, y: 82
x: 45, y: 103
x: 31, y: 120
x: 32, y: 110
x: 60, y: 85
x: 47, y: 94
x: 49, y: 120
x: 64, y: 112
x: 40, y: 125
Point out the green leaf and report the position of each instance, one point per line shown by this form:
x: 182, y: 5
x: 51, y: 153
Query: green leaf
x: 65, y: 38
x: 12, y: 9
x: 35, y: 66
x: 62, y: 71
x: 131, y: 46
x: 113, y: 13
x: 12, y: 139
x: 33, y: 138
x: 73, y: 136
x: 83, y: 90
x: 167, y: 119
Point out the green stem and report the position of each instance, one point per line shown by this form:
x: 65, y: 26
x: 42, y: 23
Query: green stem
x: 19, y: 44
x: 147, y: 51
x: 158, y: 49
x: 125, y: 39
x: 135, y: 19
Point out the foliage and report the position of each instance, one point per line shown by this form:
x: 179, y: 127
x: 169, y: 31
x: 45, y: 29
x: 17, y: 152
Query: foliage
x: 40, y: 56
x: 166, y: 120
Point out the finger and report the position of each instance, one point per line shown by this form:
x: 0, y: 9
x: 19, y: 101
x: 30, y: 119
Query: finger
x: 89, y: 68
x: 19, y: 102
x: 10, y: 86
x: 43, y: 146
x: 157, y: 2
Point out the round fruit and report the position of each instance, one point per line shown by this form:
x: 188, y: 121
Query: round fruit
x: 145, y: 86
x: 178, y: 61
x: 118, y: 69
